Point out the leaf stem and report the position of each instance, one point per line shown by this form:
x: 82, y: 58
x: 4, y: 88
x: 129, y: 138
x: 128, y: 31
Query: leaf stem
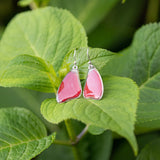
x: 64, y: 143
x: 72, y: 137
x: 71, y: 143
x: 81, y: 135
x: 70, y: 130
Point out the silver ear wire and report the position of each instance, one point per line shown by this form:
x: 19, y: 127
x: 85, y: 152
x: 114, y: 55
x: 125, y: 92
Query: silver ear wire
x: 75, y: 62
x: 89, y: 62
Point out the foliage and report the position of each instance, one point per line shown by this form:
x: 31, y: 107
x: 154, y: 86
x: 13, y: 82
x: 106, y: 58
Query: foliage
x: 119, y: 116
x: 37, y: 73
x: 141, y: 63
x: 22, y: 134
x: 38, y: 56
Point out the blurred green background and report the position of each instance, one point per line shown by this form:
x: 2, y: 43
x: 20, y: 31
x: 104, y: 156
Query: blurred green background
x: 109, y: 24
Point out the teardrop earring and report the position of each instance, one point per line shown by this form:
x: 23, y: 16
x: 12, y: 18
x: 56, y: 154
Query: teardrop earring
x: 93, y: 88
x: 70, y: 88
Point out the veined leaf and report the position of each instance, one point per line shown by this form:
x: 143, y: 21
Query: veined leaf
x: 29, y: 72
x: 52, y: 33
x: 150, y: 151
x: 48, y: 33
x: 116, y: 111
x: 34, y: 69
x: 22, y: 134
x: 141, y: 63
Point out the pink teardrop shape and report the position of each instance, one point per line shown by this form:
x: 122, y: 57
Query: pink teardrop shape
x: 94, y: 85
x: 70, y: 87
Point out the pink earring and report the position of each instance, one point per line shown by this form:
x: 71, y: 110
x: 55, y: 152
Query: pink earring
x: 94, y: 85
x: 70, y: 88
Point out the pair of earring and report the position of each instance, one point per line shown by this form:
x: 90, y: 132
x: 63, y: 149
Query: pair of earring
x: 70, y: 88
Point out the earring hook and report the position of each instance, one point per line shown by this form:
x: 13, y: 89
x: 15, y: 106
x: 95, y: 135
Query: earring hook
x: 75, y: 56
x: 90, y: 64
x: 75, y: 63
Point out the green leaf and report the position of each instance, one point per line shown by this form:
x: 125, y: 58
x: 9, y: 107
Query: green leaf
x: 141, y: 63
x: 50, y: 35
x: 57, y: 34
x: 22, y: 134
x: 29, y: 72
x: 116, y: 111
x: 150, y: 151
x: 89, y: 12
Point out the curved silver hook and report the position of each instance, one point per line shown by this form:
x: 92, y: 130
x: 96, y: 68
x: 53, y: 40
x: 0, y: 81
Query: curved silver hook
x: 75, y: 56
x: 90, y: 64
x: 75, y: 63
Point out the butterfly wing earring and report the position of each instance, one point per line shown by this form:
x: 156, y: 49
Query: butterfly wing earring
x: 70, y: 88
x: 93, y: 88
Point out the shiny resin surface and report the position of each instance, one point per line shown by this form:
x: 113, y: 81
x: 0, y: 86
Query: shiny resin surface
x: 70, y: 87
x: 94, y: 85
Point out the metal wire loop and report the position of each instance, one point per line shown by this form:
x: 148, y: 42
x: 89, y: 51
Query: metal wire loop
x: 75, y: 62
x: 90, y: 64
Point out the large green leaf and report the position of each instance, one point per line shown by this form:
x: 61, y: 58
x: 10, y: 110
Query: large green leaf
x: 52, y: 33
x: 49, y: 33
x: 33, y: 62
x: 22, y: 134
x: 150, y: 151
x: 89, y: 12
x: 141, y: 63
x: 116, y: 111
